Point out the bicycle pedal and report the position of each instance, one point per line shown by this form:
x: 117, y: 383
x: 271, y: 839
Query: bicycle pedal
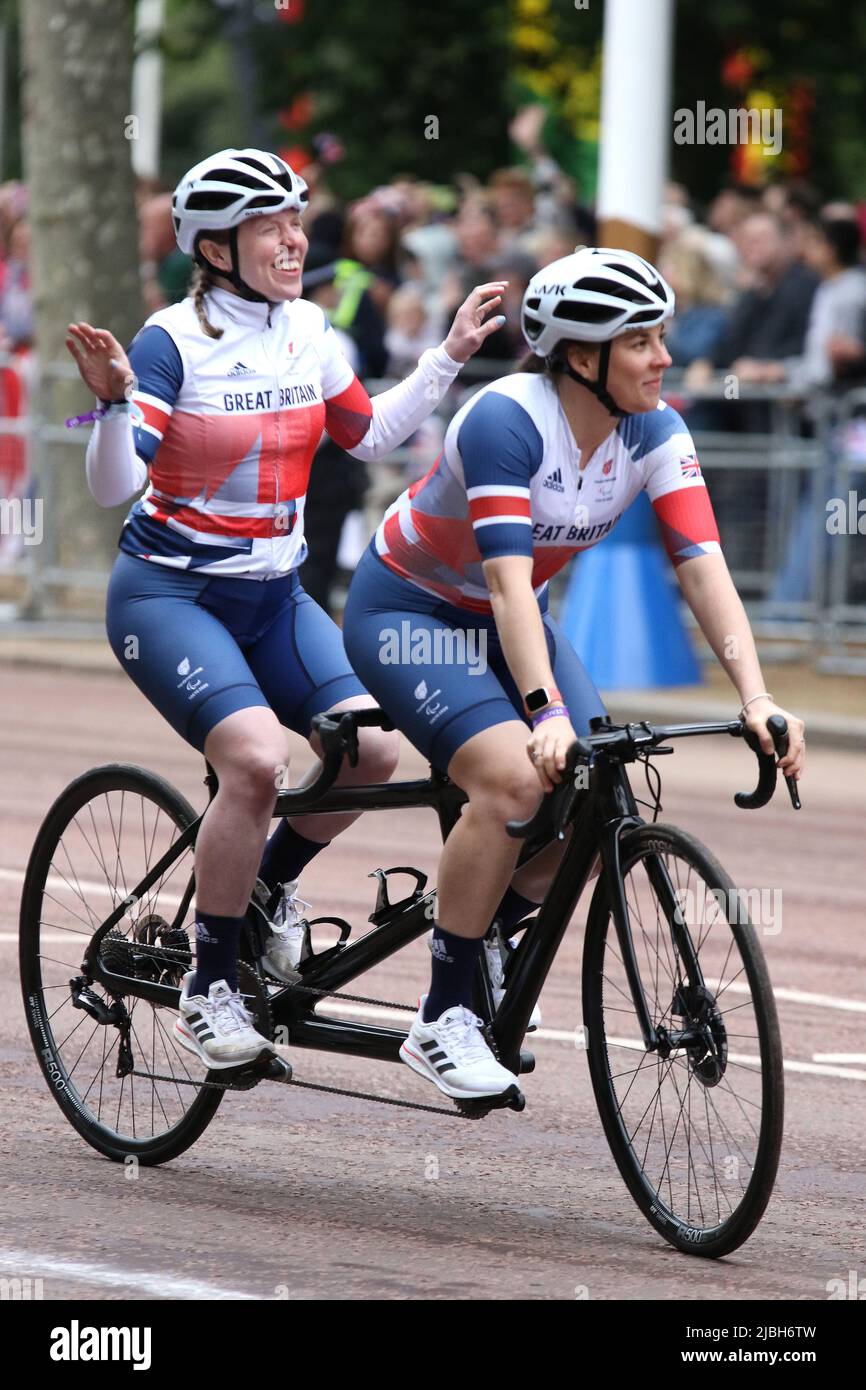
x: 249, y: 1074
x: 279, y: 1070
x: 512, y: 1099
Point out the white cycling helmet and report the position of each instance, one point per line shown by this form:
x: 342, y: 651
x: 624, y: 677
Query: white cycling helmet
x: 228, y: 187
x: 593, y: 295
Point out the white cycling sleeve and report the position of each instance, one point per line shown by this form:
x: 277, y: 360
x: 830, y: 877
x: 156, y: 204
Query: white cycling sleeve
x: 399, y: 411
x: 114, y: 471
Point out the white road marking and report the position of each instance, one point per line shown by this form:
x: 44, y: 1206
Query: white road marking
x: 857, y: 1057
x: 801, y: 996
x: 101, y: 888
x: 575, y: 1037
x: 156, y: 1285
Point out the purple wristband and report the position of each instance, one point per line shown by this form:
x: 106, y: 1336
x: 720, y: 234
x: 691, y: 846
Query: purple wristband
x: 135, y: 412
x: 552, y: 712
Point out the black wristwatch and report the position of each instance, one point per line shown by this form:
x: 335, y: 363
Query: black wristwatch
x: 537, y: 700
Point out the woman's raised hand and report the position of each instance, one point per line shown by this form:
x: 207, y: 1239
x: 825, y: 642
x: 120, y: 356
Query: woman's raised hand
x: 472, y: 323
x: 100, y: 359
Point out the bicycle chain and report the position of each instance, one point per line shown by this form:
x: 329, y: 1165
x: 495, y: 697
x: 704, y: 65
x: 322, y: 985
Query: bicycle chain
x: 175, y: 954
x: 305, y: 1085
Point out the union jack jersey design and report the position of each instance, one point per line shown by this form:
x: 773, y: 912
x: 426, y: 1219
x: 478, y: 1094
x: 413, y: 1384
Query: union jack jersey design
x: 229, y: 432
x: 508, y: 482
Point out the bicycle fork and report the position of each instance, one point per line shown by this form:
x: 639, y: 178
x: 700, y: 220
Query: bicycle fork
x: 655, y: 1039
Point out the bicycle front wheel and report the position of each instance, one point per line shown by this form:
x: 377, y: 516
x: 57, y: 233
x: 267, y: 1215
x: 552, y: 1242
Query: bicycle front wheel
x: 695, y: 1126
x: 102, y: 1061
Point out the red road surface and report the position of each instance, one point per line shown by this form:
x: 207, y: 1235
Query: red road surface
x: 294, y: 1194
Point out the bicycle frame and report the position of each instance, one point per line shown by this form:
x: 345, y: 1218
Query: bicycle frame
x: 603, y: 812
x: 396, y: 924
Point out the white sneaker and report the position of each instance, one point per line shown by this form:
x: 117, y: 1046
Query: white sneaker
x: 496, y: 973
x: 453, y: 1054
x: 219, y: 1029
x: 289, y: 942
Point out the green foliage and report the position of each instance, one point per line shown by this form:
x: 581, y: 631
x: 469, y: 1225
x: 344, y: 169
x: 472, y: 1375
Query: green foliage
x: 802, y: 39
x: 379, y: 72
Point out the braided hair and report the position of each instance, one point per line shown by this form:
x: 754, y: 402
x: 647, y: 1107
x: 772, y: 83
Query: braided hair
x: 204, y: 280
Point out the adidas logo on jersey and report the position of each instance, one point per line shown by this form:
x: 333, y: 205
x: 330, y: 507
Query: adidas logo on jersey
x: 554, y: 482
x: 240, y: 370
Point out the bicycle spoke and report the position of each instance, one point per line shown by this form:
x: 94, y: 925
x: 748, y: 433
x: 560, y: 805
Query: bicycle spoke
x: 694, y: 1149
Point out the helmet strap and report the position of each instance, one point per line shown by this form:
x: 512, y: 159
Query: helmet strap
x: 233, y: 275
x: 599, y: 387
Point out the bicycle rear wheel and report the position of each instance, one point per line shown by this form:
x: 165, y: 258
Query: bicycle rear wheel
x: 696, y: 1127
x: 98, y: 841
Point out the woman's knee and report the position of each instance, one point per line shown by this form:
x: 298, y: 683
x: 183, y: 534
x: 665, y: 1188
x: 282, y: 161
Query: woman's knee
x: 506, y: 792
x: 250, y: 759
x: 378, y: 754
x: 253, y: 773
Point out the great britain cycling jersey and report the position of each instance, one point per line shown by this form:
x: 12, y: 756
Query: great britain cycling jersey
x: 230, y: 429
x: 508, y: 482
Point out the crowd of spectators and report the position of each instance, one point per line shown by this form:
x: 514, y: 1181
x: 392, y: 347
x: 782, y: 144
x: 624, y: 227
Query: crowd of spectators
x: 770, y: 283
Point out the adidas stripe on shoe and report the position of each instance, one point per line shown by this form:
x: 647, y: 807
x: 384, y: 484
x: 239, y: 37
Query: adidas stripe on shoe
x: 452, y: 1052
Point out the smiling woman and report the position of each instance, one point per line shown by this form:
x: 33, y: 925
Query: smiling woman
x: 233, y: 388
x: 536, y: 467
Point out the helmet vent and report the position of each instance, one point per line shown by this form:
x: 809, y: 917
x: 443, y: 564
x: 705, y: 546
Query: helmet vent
x: 213, y: 201
x: 586, y: 313
x: 256, y: 164
x: 632, y: 296
x: 233, y: 176
x: 265, y: 200
x: 628, y: 270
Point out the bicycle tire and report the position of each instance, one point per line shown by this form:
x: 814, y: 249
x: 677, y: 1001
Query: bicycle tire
x: 83, y: 793
x: 684, y: 1232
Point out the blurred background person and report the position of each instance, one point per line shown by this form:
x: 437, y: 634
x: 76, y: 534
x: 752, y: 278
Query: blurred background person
x: 769, y: 316
x: 165, y: 271
x: 834, y: 349
x: 372, y: 238
x: 703, y: 298
x: 338, y: 482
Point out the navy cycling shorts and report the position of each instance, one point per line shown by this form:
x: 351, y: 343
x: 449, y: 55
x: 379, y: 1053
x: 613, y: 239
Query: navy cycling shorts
x: 422, y: 660
x: 202, y: 647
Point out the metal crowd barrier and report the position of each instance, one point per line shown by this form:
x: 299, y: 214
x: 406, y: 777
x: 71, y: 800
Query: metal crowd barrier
x: 844, y: 617
x: 771, y: 479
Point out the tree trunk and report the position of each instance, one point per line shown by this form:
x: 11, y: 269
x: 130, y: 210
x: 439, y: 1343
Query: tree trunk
x: 77, y: 127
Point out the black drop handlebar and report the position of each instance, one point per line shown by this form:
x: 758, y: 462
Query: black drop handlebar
x: 338, y: 734
x: 627, y: 742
